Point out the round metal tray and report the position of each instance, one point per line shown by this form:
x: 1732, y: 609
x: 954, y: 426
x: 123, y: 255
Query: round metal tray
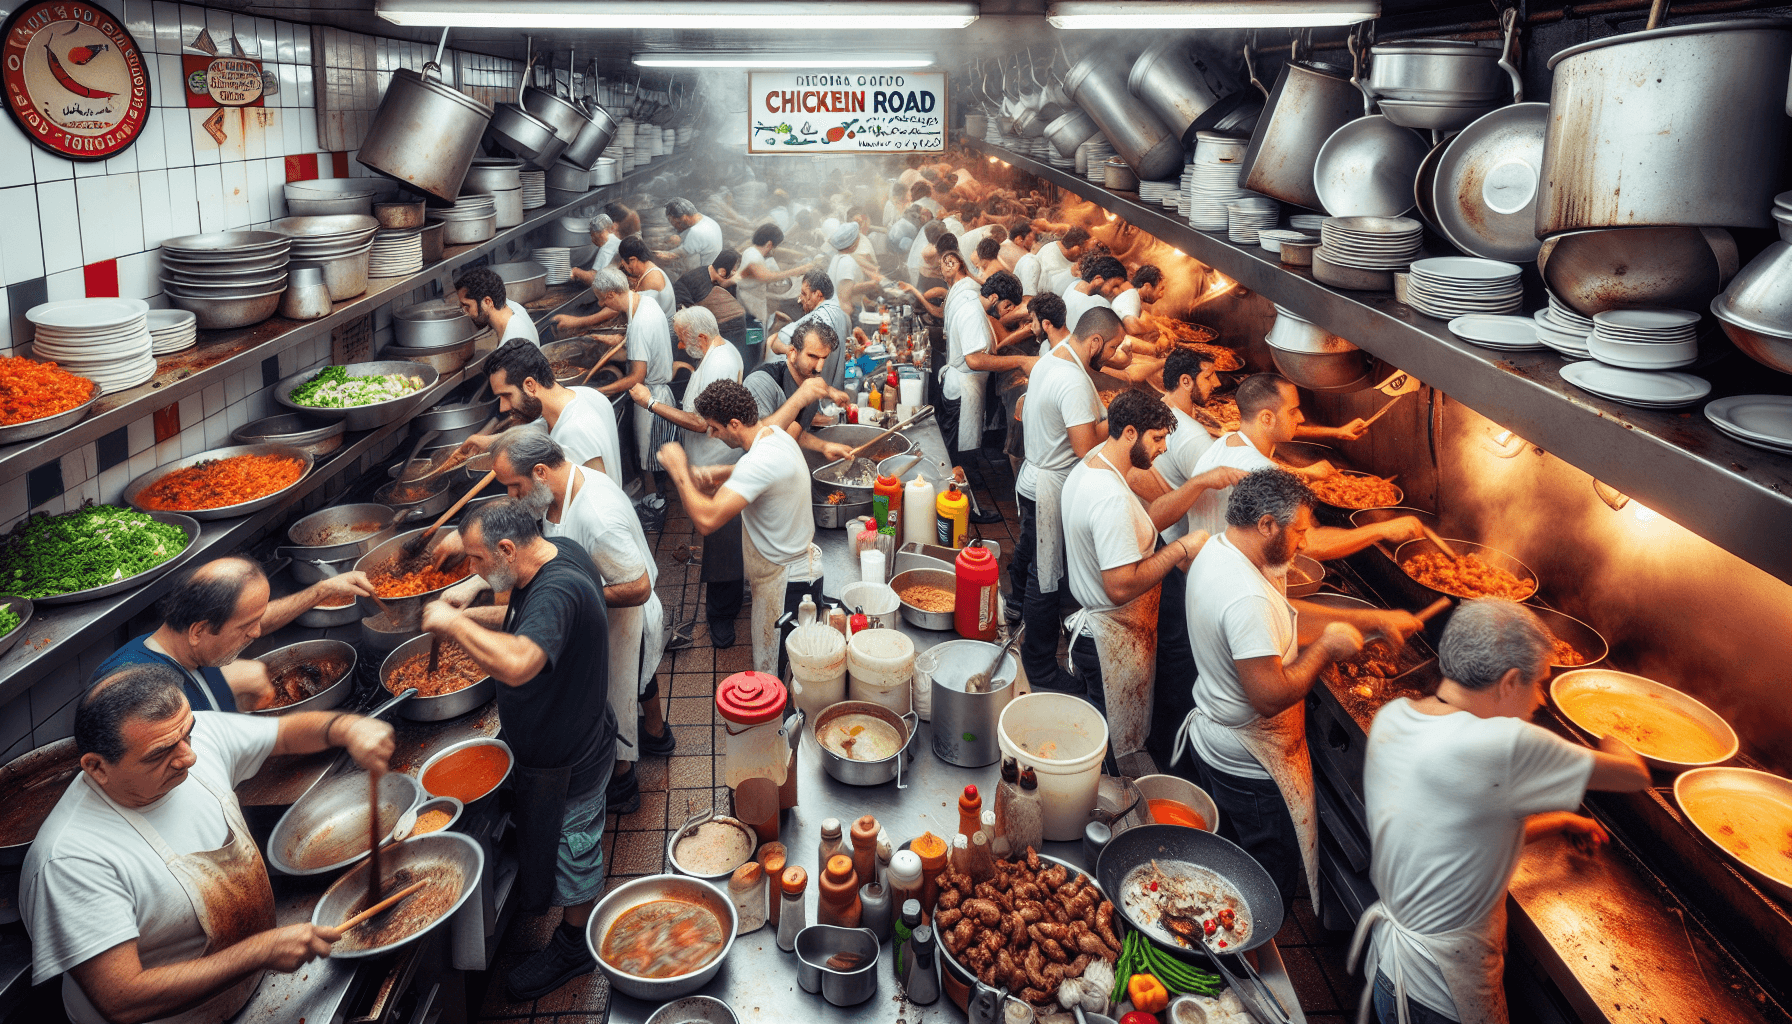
x: 1399, y: 495
x: 1582, y: 680
x: 137, y: 486
x: 187, y: 523
x: 364, y: 417
x: 43, y: 426
x: 21, y: 607
x: 292, y: 429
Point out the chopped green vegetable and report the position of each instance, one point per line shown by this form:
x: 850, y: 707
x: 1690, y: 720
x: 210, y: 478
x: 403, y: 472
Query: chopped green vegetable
x: 90, y: 547
x: 9, y: 620
x: 333, y: 388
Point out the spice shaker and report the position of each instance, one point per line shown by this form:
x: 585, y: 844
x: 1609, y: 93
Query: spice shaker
x: 874, y: 910
x: 793, y: 913
x: 771, y: 858
x: 838, y: 900
x: 746, y: 887
x: 905, y: 877
x: 921, y: 982
x: 832, y: 842
x: 903, y: 931
x: 864, y: 849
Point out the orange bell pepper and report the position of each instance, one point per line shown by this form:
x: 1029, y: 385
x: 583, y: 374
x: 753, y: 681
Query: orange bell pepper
x: 1147, y: 993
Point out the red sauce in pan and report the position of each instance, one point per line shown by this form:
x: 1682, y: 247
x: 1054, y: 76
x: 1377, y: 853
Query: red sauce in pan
x: 467, y: 774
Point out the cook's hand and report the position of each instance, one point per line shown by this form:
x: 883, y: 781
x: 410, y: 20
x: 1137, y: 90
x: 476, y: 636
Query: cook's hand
x: 339, y: 589
x: 813, y: 390
x: 367, y: 740
x: 565, y: 322
x: 836, y: 451
x: 1319, y: 470
x: 478, y: 444
x: 704, y: 479
x: 1397, y: 625
x: 292, y: 947
x: 641, y: 394
x: 439, y: 617
x: 448, y: 546
x: 905, y: 286
x: 1583, y: 833
x: 672, y: 456
x: 1340, y: 640
x: 1220, y: 476
x: 858, y: 335
x: 250, y: 684
x: 1351, y: 431
x: 1405, y: 528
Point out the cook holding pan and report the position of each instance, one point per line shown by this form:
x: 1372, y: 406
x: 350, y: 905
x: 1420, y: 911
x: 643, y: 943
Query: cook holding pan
x: 1457, y: 784
x: 1257, y: 655
x: 143, y: 888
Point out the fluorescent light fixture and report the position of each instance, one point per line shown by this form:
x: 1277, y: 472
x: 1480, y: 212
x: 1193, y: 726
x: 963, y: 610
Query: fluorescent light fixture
x: 762, y: 15
x: 720, y: 59
x: 1175, y: 14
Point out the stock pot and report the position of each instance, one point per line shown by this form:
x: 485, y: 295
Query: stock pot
x: 425, y: 133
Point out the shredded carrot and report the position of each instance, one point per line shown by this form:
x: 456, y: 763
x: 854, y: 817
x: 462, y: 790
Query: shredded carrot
x: 30, y: 390
x: 409, y: 577
x: 219, y: 483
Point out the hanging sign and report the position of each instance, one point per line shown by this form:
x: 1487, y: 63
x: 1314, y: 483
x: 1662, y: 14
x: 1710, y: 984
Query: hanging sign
x: 75, y: 80
x: 846, y: 112
x: 222, y: 81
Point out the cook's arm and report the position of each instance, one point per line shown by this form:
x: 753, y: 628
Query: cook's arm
x: 367, y: 740
x: 708, y: 512
x: 1396, y: 625
x: 1169, y: 507
x: 629, y: 595
x: 125, y: 992
x: 1126, y: 582
x: 1273, y: 687
x: 988, y: 362
x: 333, y: 591
x: 510, y: 659
x: 637, y: 372
x: 1328, y: 542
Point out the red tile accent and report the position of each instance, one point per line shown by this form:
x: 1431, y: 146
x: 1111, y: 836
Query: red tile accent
x: 301, y: 167
x: 339, y: 161
x: 101, y: 279
x: 167, y: 422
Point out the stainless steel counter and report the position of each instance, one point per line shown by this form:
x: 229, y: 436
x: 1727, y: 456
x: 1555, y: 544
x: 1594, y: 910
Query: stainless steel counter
x: 759, y: 980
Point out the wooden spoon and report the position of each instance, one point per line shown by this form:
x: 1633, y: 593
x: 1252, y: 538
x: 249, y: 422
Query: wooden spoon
x: 1431, y: 610
x: 600, y: 363
x: 415, y: 546
x: 1442, y: 544
x: 382, y: 906
x: 374, y: 838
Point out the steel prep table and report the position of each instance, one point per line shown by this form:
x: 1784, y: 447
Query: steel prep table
x: 758, y: 979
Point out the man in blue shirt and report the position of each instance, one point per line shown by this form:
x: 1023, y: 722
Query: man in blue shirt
x: 211, y: 614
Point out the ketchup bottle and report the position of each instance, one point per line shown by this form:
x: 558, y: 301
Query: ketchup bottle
x: 974, y: 607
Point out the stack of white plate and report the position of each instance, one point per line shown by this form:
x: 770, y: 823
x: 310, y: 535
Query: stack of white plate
x: 535, y: 189
x: 172, y: 330
x: 1497, y: 331
x: 1212, y: 180
x: 1369, y: 243
x: 1097, y: 159
x: 1271, y: 239
x: 1451, y: 286
x: 1153, y: 191
x: 1645, y: 339
x: 1764, y: 421
x: 105, y: 340
x: 1247, y: 216
x: 396, y: 253
x: 1642, y: 388
x: 558, y: 260
x: 1562, y: 328
x: 1308, y: 222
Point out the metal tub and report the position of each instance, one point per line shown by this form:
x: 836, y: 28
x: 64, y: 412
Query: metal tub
x: 365, y: 417
x: 326, y: 830
x: 443, y: 706
x: 436, y: 848
x: 137, y: 486
x: 632, y: 894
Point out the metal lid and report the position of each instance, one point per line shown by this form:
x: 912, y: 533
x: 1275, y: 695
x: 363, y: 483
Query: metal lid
x: 1699, y: 29
x: 442, y: 89
x: 751, y: 698
x: 1319, y: 67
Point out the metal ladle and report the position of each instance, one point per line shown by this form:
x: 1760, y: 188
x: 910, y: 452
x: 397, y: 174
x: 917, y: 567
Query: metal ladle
x: 979, y: 682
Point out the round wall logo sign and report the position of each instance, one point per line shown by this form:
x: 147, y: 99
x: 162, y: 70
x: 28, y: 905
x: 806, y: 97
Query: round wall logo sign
x: 75, y: 80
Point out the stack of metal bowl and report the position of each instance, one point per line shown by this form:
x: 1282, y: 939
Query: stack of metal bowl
x: 434, y: 334
x: 339, y: 244
x: 492, y: 174
x: 1440, y: 84
x: 570, y: 232
x: 228, y: 278
x: 567, y: 182
x: 473, y: 218
x: 324, y: 197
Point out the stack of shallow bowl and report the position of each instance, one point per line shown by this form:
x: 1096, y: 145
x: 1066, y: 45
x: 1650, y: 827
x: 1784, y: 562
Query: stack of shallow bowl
x: 604, y: 172
x: 324, y: 197
x: 396, y: 253
x: 172, y: 330
x: 535, y: 189
x: 472, y: 219
x: 105, y: 340
x: 340, y: 245
x: 1436, y: 83
x: 491, y: 174
x: 228, y: 278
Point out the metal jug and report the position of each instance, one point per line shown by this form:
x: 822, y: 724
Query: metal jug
x: 964, y: 724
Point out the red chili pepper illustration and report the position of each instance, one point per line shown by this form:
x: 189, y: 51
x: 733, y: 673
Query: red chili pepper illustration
x: 83, y: 54
x: 836, y: 134
x: 67, y: 82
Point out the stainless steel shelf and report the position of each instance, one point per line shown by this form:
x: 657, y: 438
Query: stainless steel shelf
x: 1736, y: 496
x: 222, y: 353
x: 57, y: 632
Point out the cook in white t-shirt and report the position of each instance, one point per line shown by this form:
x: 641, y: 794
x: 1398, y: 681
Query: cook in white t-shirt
x: 1105, y: 527
x: 1235, y: 450
x: 774, y: 479
x: 586, y: 430
x: 1234, y: 613
x: 1077, y: 302
x: 1455, y: 785
x: 1177, y: 465
x: 520, y: 325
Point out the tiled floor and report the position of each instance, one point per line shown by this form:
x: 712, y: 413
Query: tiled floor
x: 675, y: 787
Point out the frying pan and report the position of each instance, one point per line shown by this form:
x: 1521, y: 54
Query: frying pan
x: 1585, y: 640
x: 1137, y: 846
x: 1492, y: 556
x: 1399, y: 499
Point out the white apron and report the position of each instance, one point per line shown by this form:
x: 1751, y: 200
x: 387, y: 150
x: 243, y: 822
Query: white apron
x: 645, y: 421
x: 1473, y: 960
x: 228, y: 888
x: 1126, y: 645
x: 766, y: 580
x: 842, y: 264
x: 1048, y: 516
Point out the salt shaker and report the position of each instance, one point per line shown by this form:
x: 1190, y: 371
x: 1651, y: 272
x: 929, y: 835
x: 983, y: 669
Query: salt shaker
x: 746, y: 887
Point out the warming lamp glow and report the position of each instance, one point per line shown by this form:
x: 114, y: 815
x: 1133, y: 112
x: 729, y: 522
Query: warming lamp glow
x: 760, y: 15
x: 1186, y: 14
x: 1503, y: 443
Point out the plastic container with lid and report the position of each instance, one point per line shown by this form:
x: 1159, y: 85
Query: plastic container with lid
x: 974, y: 611
x: 1063, y: 739
x: 817, y: 667
x: 752, y: 707
x: 904, y: 877
x: 880, y: 663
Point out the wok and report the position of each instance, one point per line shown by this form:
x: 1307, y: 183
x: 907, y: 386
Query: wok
x: 1178, y: 844
x: 327, y: 828
x: 1585, y: 640
x: 1602, y: 680
x: 1701, y: 794
x: 437, y: 850
x: 1400, y: 494
x: 1493, y: 557
x: 406, y: 609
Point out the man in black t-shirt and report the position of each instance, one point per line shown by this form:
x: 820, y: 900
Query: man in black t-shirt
x: 549, y: 651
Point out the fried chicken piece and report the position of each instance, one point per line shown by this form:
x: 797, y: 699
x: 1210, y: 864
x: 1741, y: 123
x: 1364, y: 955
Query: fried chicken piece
x: 945, y: 919
x: 1016, y: 928
x: 1090, y: 943
x: 1104, y: 924
x: 962, y: 933
x: 1060, y: 933
x: 986, y: 912
x: 1033, y: 860
x: 1077, y: 966
x: 1036, y: 997
x: 949, y: 899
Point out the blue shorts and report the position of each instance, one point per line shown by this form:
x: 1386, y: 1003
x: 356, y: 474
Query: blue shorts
x: 579, y: 862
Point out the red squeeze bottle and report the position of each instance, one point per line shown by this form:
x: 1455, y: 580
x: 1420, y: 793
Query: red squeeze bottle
x: 970, y: 811
x: 974, y: 610
x: 858, y: 621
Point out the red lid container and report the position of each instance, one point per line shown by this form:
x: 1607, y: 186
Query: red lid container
x: 751, y: 698
x: 974, y: 610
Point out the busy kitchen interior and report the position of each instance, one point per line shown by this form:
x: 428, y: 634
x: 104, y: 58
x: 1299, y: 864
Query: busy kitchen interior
x: 408, y: 615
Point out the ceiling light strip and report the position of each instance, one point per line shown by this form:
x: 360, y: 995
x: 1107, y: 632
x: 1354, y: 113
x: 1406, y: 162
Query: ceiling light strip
x: 783, y: 60
x: 771, y: 15
x: 1184, y: 14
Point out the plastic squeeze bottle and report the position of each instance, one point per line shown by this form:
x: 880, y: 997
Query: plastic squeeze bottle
x: 864, y: 849
x: 952, y: 517
x: 917, y: 526
x: 839, y: 903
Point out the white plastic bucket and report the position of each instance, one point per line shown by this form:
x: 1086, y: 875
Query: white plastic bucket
x: 880, y: 663
x: 817, y: 668
x: 1063, y: 739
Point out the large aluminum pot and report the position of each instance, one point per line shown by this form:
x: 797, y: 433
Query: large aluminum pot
x: 1682, y: 125
x: 1071, y: 131
x: 964, y: 722
x: 425, y: 134
x: 442, y: 706
x: 526, y: 135
x: 599, y: 129
x: 1152, y: 150
x: 1436, y: 71
x: 401, y: 612
x: 1190, y: 89
x: 1310, y: 101
x: 566, y: 120
x: 490, y: 173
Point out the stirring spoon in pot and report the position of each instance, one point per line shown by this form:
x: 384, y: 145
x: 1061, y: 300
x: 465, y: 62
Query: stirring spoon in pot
x: 979, y: 683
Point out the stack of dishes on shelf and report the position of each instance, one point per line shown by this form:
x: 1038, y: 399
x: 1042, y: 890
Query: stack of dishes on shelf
x: 1562, y: 328
x: 1250, y: 214
x: 472, y: 218
x: 1370, y: 243
x: 1451, y: 286
x: 1096, y: 159
x: 396, y: 253
x: 1647, y: 389
x: 558, y: 260
x: 1645, y: 339
x: 340, y: 244
x: 1308, y: 222
x: 1497, y: 331
x: 1214, y: 180
x: 226, y: 278
x: 1271, y: 239
x: 105, y: 340
x: 1153, y: 191
x: 172, y: 330
x: 1764, y: 421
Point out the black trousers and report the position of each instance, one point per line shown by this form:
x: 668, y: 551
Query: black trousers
x: 1253, y: 815
x: 1042, y: 611
x: 1174, y: 697
x: 724, y: 574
